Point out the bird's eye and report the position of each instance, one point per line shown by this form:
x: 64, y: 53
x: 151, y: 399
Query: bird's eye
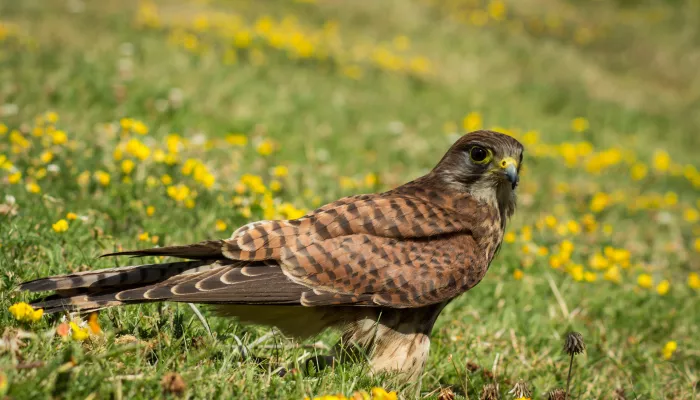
x: 479, y: 155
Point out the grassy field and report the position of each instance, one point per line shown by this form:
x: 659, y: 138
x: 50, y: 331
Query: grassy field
x: 126, y: 124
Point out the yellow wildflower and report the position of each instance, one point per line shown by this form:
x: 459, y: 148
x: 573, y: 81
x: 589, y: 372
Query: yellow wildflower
x: 663, y: 287
x: 138, y: 149
x: 579, y: 124
x: 78, y: 333
x: 381, y: 394
x: 697, y: 245
x: 220, y: 225
x: 150, y: 210
x: 599, y: 202
x: 139, y: 128
x: 691, y: 215
x: 662, y: 161
x: 125, y: 123
x: 60, y: 226
x: 472, y: 122
x: 371, y: 179
x: 275, y: 185
x: 127, y: 166
x: 59, y: 137
x: 576, y: 272
x: 237, y: 139
x: 84, y: 178
x: 46, y: 157
x: 669, y: 348
x: 518, y: 274
x: 14, y: 177
x: 144, y: 237
x: 51, y: 117
x: 694, y: 280
x: 166, y: 179
x: 266, y: 147
x: 645, y: 281
x: 103, y: 177
x: 590, y: 276
x: 71, y: 216
x: 93, y: 323
x: 25, y: 313
x: 638, y: 171
x: 509, y: 237
x: 671, y: 198
x: 613, y: 274
x: 280, y: 171
x: 32, y: 187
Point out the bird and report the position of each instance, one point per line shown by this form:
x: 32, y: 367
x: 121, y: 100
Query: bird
x: 381, y: 266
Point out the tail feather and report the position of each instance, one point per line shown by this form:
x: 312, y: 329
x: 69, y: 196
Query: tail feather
x: 122, y: 276
x: 207, y: 250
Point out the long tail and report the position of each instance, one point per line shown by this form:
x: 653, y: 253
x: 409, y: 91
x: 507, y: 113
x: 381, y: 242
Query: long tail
x: 211, y: 278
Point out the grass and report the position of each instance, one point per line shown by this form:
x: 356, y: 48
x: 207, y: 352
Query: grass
x: 606, y: 240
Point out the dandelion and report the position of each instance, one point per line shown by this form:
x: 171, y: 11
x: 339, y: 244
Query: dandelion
x: 669, y: 348
x: 518, y: 274
x: 84, y: 178
x: 509, y: 237
x: 489, y: 392
x: 638, y: 171
x: 266, y: 147
x: 694, y: 280
x: 220, y: 225
x: 60, y: 226
x: 24, y: 312
x: 71, y: 216
x: 663, y: 287
x: 144, y: 237
x: 599, y: 202
x: 579, y: 124
x: 14, y: 177
x: 150, y: 210
x: 557, y: 394
x: 613, y: 274
x: 59, y: 137
x: 521, y: 391
x: 691, y: 215
x: 102, y: 177
x: 46, y: 157
x: 280, y: 171
x: 645, y: 281
x: 573, y: 345
x: 32, y: 187
x: 139, y: 128
x: 472, y: 122
x: 381, y: 394
x: 78, y: 333
x: 662, y: 161
x: 127, y: 166
x: 371, y: 179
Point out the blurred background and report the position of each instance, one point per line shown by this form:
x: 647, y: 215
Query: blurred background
x: 140, y: 123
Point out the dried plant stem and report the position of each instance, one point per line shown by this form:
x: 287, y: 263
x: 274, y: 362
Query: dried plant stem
x: 568, y: 378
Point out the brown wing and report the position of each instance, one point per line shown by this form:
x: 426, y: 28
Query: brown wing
x: 395, y: 249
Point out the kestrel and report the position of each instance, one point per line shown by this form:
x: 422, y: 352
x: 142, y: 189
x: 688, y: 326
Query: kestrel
x: 382, y: 266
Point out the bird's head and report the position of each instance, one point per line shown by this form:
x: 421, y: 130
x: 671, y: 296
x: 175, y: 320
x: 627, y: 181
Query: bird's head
x: 485, y: 164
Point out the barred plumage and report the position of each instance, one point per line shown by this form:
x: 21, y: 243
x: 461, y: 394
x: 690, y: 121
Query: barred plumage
x: 393, y: 259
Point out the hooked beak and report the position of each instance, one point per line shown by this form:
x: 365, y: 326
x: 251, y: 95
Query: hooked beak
x: 510, y: 168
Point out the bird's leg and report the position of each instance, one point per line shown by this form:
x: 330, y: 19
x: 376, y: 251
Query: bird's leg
x: 391, y: 340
